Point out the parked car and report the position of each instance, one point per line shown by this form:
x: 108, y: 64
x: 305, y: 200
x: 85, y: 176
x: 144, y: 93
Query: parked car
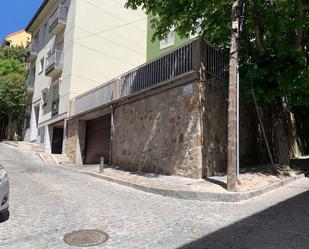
x: 4, y: 194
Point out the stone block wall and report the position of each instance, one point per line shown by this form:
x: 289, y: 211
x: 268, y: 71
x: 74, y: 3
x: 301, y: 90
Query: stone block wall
x: 176, y: 130
x: 72, y: 139
x: 215, y: 119
x: 161, y: 133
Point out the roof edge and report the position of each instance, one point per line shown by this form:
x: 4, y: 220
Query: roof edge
x: 15, y: 33
x: 38, y: 12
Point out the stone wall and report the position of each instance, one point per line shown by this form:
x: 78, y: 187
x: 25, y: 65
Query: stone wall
x: 215, y: 130
x: 161, y: 133
x: 215, y: 118
x: 176, y: 130
x: 72, y: 139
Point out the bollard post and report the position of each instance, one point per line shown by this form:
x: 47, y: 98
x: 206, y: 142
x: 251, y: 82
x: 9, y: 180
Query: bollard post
x: 102, y: 165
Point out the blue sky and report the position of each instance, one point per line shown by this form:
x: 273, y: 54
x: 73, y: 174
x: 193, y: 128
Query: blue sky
x: 16, y: 14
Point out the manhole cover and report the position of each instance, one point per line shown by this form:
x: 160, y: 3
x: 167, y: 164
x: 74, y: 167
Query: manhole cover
x: 85, y: 238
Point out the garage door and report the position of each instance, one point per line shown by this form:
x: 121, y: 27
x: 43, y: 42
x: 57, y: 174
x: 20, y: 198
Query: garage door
x: 98, y: 134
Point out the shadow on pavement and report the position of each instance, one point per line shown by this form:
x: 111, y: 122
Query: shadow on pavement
x: 285, y: 225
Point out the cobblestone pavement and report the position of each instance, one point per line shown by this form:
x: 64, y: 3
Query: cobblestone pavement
x: 47, y: 202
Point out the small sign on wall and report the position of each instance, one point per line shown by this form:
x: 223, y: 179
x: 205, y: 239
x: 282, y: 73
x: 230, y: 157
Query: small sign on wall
x: 187, y: 89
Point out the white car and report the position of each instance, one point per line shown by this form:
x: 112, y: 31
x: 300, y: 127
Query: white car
x: 4, y: 194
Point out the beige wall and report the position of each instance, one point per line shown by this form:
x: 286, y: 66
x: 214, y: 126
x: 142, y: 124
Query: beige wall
x: 92, y: 60
x: 19, y: 38
x: 104, y: 56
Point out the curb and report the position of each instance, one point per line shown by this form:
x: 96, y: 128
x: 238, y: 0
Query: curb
x: 198, y: 195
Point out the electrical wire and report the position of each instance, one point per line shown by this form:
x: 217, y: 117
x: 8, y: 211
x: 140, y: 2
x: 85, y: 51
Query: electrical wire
x: 105, y: 30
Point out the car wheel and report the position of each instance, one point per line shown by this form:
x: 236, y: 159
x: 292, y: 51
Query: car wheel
x: 4, y: 216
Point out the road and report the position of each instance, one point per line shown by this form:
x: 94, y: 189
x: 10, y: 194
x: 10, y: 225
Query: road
x: 48, y: 202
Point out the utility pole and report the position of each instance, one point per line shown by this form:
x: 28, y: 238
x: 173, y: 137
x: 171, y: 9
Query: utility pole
x: 232, y: 104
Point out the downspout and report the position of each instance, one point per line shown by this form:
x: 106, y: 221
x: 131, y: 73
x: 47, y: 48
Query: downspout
x: 112, y: 136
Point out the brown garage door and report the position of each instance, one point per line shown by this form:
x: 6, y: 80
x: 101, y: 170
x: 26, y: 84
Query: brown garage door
x: 98, y: 134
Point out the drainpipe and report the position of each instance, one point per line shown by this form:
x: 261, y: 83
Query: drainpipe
x: 112, y: 135
x: 237, y: 125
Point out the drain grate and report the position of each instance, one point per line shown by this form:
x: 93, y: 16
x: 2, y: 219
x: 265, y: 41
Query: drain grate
x: 85, y: 238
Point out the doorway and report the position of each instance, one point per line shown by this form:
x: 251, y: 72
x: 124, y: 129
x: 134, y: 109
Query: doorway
x: 57, y: 141
x: 98, y: 138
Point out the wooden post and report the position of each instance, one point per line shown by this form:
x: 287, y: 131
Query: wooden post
x: 232, y: 107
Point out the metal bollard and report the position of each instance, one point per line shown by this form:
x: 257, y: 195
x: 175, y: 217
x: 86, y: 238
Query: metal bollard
x: 102, y: 165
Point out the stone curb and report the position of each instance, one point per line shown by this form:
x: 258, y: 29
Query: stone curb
x: 198, y: 195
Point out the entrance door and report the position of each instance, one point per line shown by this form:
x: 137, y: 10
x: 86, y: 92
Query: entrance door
x: 57, y: 140
x: 98, y: 135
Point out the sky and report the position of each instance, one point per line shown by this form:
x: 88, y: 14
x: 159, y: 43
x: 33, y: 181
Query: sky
x: 16, y: 14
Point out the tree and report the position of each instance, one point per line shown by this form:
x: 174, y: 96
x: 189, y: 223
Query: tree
x: 12, y: 95
x: 8, y: 66
x: 12, y: 87
x: 17, y: 53
x: 12, y: 98
x: 273, y: 49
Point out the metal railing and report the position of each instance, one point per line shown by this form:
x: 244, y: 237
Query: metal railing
x: 192, y: 57
x: 216, y: 64
x: 162, y: 69
x: 33, y: 47
x: 60, y: 14
x: 30, y: 81
x: 55, y: 107
x: 94, y: 98
x: 55, y: 59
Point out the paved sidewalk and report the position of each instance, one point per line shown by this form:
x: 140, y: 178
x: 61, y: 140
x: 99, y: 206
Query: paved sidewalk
x: 48, y: 202
x: 252, y: 184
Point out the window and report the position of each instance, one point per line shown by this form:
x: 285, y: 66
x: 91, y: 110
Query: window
x: 44, y: 97
x: 42, y: 134
x: 198, y: 29
x: 44, y: 31
x: 169, y: 40
x: 36, y: 37
x: 41, y: 65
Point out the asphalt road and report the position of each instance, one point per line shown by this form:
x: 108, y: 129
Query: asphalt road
x: 47, y: 202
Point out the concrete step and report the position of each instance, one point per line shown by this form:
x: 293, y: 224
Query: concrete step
x: 62, y: 159
x: 55, y: 158
x: 47, y: 158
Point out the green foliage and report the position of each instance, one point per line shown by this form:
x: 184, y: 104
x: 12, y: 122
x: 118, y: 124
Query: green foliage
x: 16, y: 53
x: 12, y: 95
x: 12, y: 82
x: 8, y: 66
x: 274, y: 52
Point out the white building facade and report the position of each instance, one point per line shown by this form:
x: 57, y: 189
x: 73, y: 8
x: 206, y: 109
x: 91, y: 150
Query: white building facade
x: 76, y: 46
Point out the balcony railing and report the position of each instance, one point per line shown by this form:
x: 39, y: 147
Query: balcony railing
x: 32, y: 50
x: 54, y: 63
x: 58, y: 19
x: 162, y: 69
x: 94, y: 98
x: 30, y: 82
x: 196, y: 56
x: 55, y: 107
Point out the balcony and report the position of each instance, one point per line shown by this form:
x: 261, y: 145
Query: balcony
x: 58, y: 20
x: 96, y: 97
x: 55, y: 107
x: 194, y: 59
x: 30, y: 82
x: 32, y: 50
x: 54, y: 64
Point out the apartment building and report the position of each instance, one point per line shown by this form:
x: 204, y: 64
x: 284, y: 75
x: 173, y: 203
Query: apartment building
x: 168, y: 115
x: 18, y: 38
x: 76, y: 46
x: 172, y: 40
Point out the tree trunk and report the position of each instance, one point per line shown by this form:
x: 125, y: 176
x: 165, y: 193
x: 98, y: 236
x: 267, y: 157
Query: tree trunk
x: 9, y: 137
x: 283, y: 133
x: 232, y: 113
